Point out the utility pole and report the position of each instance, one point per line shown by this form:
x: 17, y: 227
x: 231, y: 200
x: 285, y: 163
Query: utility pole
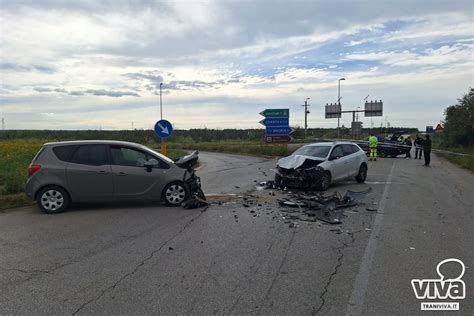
x: 132, y: 126
x: 339, y: 101
x: 3, y: 119
x: 306, y: 112
x: 161, y: 102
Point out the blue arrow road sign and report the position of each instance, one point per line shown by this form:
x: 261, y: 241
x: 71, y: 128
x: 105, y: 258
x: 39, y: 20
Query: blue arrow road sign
x: 283, y: 130
x: 163, y: 128
x: 275, y: 121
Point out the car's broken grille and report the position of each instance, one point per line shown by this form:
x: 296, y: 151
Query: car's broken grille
x: 284, y: 171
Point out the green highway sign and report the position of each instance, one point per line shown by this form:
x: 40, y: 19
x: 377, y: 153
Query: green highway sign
x: 276, y: 113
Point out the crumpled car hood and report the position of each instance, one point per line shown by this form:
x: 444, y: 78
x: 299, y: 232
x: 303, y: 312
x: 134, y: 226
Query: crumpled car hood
x: 295, y: 161
x: 188, y: 161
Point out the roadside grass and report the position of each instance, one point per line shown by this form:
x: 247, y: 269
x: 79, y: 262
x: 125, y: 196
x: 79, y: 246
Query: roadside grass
x: 250, y: 148
x: 466, y: 162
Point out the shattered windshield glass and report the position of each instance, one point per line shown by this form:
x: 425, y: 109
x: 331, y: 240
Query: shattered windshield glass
x: 314, y: 151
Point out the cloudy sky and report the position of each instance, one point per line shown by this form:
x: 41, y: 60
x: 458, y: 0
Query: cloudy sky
x: 98, y: 64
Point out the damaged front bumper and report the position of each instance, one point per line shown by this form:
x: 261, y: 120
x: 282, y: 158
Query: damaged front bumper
x: 299, y: 178
x: 194, y: 184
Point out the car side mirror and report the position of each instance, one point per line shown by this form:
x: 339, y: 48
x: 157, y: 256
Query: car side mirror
x: 150, y: 164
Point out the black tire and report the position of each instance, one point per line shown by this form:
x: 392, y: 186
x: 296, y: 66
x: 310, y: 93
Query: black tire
x: 382, y: 154
x: 324, y: 182
x: 175, y: 193
x: 53, y: 199
x: 362, y: 175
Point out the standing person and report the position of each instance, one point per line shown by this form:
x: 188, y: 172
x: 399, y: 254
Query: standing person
x: 373, y: 142
x: 418, y: 146
x: 427, y: 149
x: 408, y: 144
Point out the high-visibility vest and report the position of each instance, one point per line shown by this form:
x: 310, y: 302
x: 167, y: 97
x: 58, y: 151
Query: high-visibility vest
x: 373, y: 141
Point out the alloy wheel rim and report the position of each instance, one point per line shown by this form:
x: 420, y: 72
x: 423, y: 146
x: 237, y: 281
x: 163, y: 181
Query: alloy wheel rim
x: 52, y: 200
x: 175, y: 194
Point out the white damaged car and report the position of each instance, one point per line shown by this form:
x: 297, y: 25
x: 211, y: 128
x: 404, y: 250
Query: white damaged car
x: 320, y: 164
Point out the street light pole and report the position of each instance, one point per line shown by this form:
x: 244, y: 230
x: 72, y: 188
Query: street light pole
x: 339, y: 101
x: 161, y: 102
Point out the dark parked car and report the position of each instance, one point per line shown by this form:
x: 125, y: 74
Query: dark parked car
x: 385, y: 149
x: 74, y: 171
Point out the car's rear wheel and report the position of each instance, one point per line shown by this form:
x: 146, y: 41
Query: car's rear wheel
x: 176, y: 193
x: 324, y: 181
x: 382, y: 153
x: 362, y: 175
x: 53, y: 199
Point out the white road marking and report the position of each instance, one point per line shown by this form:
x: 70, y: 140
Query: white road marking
x: 359, y: 290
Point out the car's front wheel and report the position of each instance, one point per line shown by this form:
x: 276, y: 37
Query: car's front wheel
x: 53, y: 199
x: 176, y: 193
x: 279, y: 181
x: 324, y: 181
x: 362, y: 175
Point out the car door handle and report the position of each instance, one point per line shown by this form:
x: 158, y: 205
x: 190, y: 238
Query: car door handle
x: 102, y: 172
x: 122, y: 174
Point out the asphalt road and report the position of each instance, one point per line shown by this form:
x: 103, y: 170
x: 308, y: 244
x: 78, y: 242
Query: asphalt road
x: 145, y: 258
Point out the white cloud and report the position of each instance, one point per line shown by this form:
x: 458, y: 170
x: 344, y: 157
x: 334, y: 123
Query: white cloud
x: 72, y: 59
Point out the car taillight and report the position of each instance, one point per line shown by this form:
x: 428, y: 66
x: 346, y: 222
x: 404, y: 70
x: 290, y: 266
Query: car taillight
x: 32, y: 169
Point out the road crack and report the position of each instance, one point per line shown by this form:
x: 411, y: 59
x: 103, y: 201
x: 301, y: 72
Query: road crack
x: 139, y: 265
x: 277, y: 274
x: 340, y: 251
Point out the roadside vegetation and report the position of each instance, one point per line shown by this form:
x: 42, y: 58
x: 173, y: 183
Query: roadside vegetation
x: 242, y: 147
x: 458, y: 134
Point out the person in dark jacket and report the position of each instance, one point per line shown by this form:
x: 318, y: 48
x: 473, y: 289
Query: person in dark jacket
x: 418, y: 147
x: 408, y: 145
x: 427, y: 150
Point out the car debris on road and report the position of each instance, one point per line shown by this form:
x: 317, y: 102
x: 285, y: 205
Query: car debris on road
x: 326, y: 208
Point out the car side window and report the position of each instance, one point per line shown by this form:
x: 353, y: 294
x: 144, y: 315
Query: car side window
x: 347, y: 149
x: 161, y: 164
x: 124, y: 156
x: 337, y: 152
x: 64, y: 153
x: 93, y: 155
x: 355, y: 148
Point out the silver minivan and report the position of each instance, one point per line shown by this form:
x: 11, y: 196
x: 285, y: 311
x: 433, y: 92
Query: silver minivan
x: 96, y: 170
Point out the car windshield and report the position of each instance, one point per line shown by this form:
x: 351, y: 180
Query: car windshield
x: 314, y: 151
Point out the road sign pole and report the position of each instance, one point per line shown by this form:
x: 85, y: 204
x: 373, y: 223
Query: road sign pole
x: 163, y: 147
